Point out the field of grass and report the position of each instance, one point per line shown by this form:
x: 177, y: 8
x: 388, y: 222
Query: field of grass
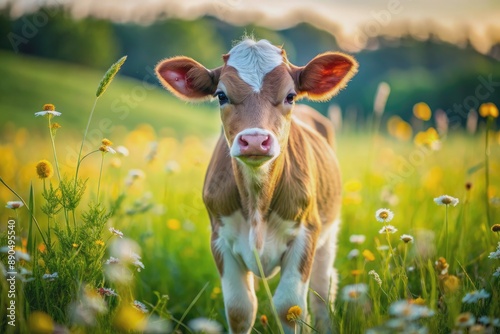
x: 153, y: 196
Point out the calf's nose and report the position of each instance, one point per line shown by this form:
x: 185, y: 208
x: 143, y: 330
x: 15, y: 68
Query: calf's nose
x: 255, y: 144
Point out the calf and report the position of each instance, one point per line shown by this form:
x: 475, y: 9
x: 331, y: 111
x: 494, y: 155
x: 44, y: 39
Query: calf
x: 272, y: 189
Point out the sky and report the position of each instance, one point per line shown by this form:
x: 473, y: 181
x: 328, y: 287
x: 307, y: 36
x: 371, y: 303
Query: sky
x: 352, y: 22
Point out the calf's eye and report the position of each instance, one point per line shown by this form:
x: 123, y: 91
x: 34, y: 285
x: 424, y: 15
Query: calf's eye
x: 222, y: 98
x: 290, y: 98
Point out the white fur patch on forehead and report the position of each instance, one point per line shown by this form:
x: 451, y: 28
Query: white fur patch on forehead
x: 253, y: 60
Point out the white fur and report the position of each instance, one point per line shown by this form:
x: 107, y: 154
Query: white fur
x: 253, y: 60
x: 236, y: 234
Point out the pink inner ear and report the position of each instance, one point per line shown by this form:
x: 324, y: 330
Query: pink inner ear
x: 176, y: 78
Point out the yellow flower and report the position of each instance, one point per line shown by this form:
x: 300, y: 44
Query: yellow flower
x: 44, y: 169
x: 40, y: 323
x: 49, y: 107
x: 173, y: 224
x: 356, y: 272
x: 42, y: 248
x: 451, y: 284
x: 399, y: 128
x: 107, y: 142
x: 263, y: 320
x: 129, y: 318
x: 422, y: 111
x: 99, y: 242
x: 488, y: 109
x: 293, y: 313
x: 418, y: 301
x: 74, y: 245
x: 429, y: 138
x: 368, y: 255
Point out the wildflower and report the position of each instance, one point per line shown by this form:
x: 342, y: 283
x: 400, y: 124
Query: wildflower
x: 418, y: 301
x: 48, y: 109
x: 136, y: 261
x: 74, y: 245
x: 477, y: 329
x: 112, y: 260
x: 99, y: 243
x: 399, y: 128
x: 140, y: 306
x: 376, y: 277
x: 383, y: 248
x: 204, y: 325
x: 451, y: 283
x: 497, y: 272
x: 357, y: 238
x: 406, y: 238
x: 442, y: 266
x: 409, y: 311
x: 369, y: 256
x: 14, y: 205
x: 134, y: 174
x: 474, y: 296
x: 116, y: 232
x: 388, y: 229
x: 446, y: 200
x: 384, y: 215
x: 173, y: 224
x: 353, y: 254
x: 495, y: 254
x: 495, y: 228
x: 44, y: 169
x: 488, y: 109
x: 106, y: 142
x: 422, y: 111
x: 40, y: 322
x: 105, y: 149
x: 293, y: 313
x: 122, y: 150
x: 465, y: 320
x: 109, y: 76
x: 354, y: 292
x: 356, y: 272
x: 153, y: 151
x: 107, y: 292
x: 429, y: 138
x: 485, y: 320
x: 172, y: 167
x: 54, y: 126
x: 263, y: 320
x: 50, y: 277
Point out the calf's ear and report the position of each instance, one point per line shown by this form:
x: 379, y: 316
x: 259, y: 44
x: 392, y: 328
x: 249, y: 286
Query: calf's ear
x: 187, y: 79
x: 324, y: 76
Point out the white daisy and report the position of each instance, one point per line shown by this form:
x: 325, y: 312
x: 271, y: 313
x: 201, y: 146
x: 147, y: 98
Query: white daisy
x: 140, y: 306
x: 406, y: 238
x: 497, y: 272
x: 353, y: 254
x: 122, y: 150
x: 384, y: 215
x: 409, y: 311
x: 446, y: 200
x: 466, y: 319
x: 112, y: 260
x: 388, y: 229
x: 48, y: 112
x: 357, y: 238
x: 116, y: 232
x: 107, y: 292
x: 354, y: 292
x: 14, y: 205
x: 50, y: 277
x: 475, y: 296
x: 204, y: 325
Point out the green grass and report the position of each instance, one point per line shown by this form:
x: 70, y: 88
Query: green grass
x: 28, y: 83
x: 164, y: 216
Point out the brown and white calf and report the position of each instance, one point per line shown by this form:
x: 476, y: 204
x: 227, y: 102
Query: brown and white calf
x: 273, y: 185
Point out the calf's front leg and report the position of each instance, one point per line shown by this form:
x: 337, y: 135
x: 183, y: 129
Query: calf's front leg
x: 295, y: 272
x: 238, y: 290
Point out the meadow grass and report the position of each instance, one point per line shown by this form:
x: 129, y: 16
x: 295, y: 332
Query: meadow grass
x: 162, y: 271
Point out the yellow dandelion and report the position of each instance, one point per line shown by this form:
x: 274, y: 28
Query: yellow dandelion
x: 293, y: 313
x: 173, y: 224
x: 40, y: 323
x: 99, y: 243
x: 429, y: 138
x: 368, y: 255
x: 107, y: 142
x: 422, y: 111
x: 488, y: 110
x: 451, y: 284
x: 129, y: 318
x: 42, y: 248
x: 356, y: 272
x: 399, y: 128
x: 44, y: 169
x: 418, y: 301
x: 263, y: 320
x: 495, y: 228
x: 74, y: 245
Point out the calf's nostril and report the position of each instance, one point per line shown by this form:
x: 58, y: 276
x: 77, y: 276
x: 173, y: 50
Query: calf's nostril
x: 242, y: 141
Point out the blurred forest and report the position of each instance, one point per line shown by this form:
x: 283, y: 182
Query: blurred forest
x: 443, y: 75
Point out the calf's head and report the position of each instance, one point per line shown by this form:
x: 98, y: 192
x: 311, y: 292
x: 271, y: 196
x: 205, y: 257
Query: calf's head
x: 257, y: 87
